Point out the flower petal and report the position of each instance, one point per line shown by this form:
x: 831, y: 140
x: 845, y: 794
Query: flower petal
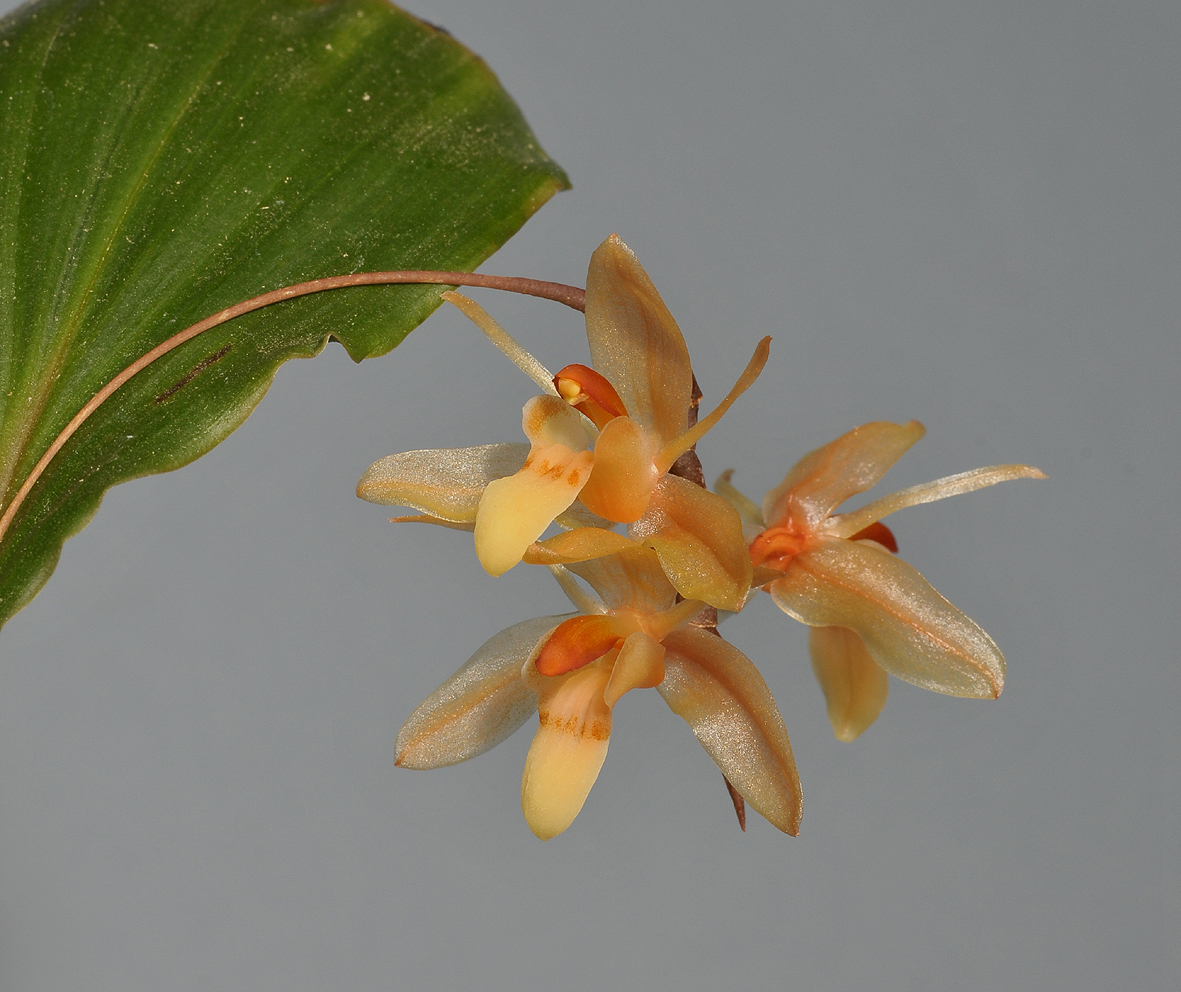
x: 698, y: 536
x: 750, y: 511
x: 577, y: 515
x: 548, y: 420
x: 908, y: 628
x: 444, y: 482
x: 679, y: 445
x: 635, y: 342
x: 822, y: 480
x: 426, y: 518
x: 723, y: 698
x: 623, y: 478
x: 479, y: 706
x: 854, y: 685
x: 503, y: 340
x: 850, y: 524
x: 580, y: 544
x: 640, y: 665
x: 628, y: 580
x: 514, y: 512
x: 567, y: 752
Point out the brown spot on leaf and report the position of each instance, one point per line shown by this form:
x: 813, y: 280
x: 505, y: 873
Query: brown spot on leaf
x: 196, y: 370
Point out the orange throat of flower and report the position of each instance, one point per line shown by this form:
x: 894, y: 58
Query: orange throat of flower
x: 776, y: 547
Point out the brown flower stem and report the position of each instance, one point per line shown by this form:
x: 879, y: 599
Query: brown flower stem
x: 571, y: 296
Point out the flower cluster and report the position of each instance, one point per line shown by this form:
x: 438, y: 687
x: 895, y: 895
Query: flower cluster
x: 647, y: 558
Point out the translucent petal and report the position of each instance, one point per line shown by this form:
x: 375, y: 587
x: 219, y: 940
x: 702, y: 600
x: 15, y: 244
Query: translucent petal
x: 577, y: 515
x: 854, y: 685
x: 514, y: 511
x: 580, y: 544
x: 635, y: 342
x: 682, y: 443
x: 479, y: 706
x: 628, y: 580
x: 548, y: 420
x: 582, y: 599
x: 698, y: 536
x: 567, y: 752
x: 660, y: 625
x: 444, y: 482
x: 723, y: 698
x: 908, y: 628
x: 822, y: 480
x: 503, y: 340
x: 850, y: 524
x: 750, y: 511
x: 623, y: 478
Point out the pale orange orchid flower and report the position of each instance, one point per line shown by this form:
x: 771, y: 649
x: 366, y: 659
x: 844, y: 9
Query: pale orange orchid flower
x: 573, y: 670
x: 871, y: 612
x: 636, y: 399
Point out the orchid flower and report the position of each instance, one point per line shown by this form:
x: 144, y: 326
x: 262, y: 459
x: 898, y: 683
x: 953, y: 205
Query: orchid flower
x: 573, y: 670
x: 636, y: 400
x: 839, y: 571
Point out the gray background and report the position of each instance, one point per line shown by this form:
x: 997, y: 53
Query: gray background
x: 964, y: 212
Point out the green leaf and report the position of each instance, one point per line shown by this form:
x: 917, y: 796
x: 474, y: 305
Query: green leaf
x: 162, y: 161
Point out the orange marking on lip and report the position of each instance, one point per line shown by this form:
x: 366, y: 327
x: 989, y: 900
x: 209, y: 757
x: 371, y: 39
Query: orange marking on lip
x: 590, y: 394
x: 577, y: 642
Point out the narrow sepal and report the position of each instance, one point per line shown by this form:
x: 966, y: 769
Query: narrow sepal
x: 908, y: 628
x: 426, y: 518
x: 679, y: 445
x: 503, y: 340
x: 851, y: 524
x: 721, y: 695
x: 479, y: 706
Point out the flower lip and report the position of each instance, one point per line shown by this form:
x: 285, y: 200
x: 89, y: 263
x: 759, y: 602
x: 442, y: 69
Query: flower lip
x: 590, y: 394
